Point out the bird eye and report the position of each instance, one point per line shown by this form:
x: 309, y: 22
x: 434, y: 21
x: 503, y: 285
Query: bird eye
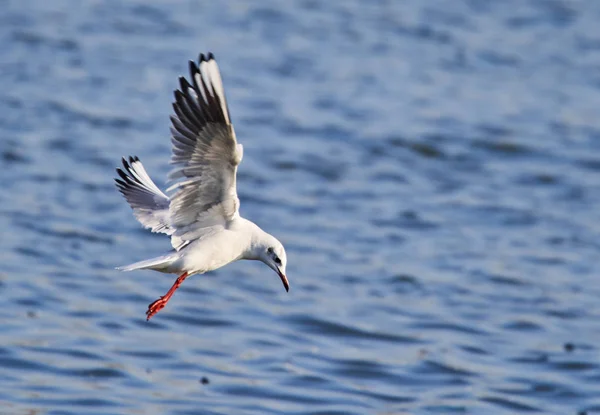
x: 277, y: 260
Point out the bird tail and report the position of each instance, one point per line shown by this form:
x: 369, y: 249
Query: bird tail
x: 161, y: 263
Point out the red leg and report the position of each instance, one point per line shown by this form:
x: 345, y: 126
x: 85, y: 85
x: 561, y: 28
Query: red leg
x: 159, y: 304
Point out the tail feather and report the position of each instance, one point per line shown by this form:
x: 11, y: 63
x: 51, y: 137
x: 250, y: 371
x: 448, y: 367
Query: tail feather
x: 161, y: 263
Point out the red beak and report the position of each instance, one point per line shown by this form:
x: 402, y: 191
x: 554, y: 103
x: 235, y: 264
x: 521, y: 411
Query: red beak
x: 284, y: 280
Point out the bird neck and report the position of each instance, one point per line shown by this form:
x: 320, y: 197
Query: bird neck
x: 259, y: 240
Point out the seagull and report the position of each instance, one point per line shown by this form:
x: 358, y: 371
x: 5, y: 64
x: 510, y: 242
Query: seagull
x: 201, y: 215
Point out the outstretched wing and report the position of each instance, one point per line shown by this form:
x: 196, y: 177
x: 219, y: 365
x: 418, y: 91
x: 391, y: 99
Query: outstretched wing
x: 150, y: 205
x: 205, y: 155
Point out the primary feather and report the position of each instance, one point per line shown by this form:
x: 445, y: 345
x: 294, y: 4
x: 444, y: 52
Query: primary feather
x: 150, y: 205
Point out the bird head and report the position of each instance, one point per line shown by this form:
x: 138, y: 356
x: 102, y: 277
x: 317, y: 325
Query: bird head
x: 273, y: 254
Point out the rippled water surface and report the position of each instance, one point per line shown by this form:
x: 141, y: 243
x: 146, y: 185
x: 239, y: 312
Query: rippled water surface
x: 433, y: 169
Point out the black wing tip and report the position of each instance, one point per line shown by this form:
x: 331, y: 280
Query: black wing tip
x: 178, y: 96
x: 125, y: 172
x: 206, y: 58
x: 184, y: 84
x: 203, y: 105
x: 123, y: 175
x: 183, y: 91
x: 193, y: 68
x: 127, y: 162
x: 122, y: 186
x: 124, y: 182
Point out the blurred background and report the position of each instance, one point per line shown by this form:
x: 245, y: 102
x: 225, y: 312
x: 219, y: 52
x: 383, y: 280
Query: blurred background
x: 432, y: 167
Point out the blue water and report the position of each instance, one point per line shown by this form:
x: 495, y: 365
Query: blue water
x: 433, y: 169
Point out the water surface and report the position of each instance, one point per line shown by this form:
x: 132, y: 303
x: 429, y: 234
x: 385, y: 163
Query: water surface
x: 433, y: 170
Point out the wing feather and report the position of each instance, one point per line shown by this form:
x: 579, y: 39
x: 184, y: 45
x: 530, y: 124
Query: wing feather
x: 150, y: 205
x: 205, y: 154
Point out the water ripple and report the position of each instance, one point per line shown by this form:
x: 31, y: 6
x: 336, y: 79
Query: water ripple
x: 431, y: 168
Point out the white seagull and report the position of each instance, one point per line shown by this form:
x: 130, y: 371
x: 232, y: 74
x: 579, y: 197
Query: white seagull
x: 202, y: 215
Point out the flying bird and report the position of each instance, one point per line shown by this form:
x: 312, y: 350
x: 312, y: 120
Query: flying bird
x: 201, y: 214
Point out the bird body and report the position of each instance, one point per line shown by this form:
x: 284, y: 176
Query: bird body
x: 240, y: 240
x: 202, y: 215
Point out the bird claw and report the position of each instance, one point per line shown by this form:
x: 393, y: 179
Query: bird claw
x: 159, y: 304
x: 155, y: 307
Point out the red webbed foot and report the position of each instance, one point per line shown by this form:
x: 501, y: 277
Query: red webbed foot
x: 159, y: 304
